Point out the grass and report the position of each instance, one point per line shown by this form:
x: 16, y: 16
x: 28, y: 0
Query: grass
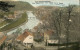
x: 3, y: 23
x: 15, y: 23
x: 7, y: 13
x: 73, y: 46
x: 19, y: 5
x: 70, y: 48
x: 64, y: 44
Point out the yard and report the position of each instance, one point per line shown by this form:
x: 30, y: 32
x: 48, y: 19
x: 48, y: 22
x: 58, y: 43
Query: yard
x: 15, y: 23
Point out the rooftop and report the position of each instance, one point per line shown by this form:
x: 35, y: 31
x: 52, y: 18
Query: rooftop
x: 2, y: 39
x: 23, y: 36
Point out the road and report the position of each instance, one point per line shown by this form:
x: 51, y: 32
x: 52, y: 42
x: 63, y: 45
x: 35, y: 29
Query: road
x: 51, y: 48
x: 32, y: 22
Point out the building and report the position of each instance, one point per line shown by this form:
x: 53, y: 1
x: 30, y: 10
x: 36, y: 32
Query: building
x: 2, y: 38
x: 26, y: 39
x: 47, y: 35
x: 50, y: 37
x: 13, y: 15
x: 52, y: 41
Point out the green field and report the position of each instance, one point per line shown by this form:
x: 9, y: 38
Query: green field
x: 3, y: 23
x: 15, y: 23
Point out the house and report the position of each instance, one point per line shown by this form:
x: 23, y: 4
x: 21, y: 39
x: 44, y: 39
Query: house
x: 47, y: 35
x: 2, y: 38
x: 10, y: 16
x: 11, y: 38
x: 26, y: 39
x: 52, y: 41
x: 50, y: 37
x: 13, y: 15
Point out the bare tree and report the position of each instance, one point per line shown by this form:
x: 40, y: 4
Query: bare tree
x: 67, y: 22
x: 57, y: 17
x: 59, y: 20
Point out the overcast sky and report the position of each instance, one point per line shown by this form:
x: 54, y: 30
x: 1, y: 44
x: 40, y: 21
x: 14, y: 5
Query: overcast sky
x: 71, y: 1
x: 52, y: 0
x: 62, y: 1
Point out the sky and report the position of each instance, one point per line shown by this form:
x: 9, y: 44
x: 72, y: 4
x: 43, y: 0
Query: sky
x: 66, y: 2
x: 52, y: 0
x: 72, y: 1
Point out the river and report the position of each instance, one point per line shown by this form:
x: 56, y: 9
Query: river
x: 32, y: 22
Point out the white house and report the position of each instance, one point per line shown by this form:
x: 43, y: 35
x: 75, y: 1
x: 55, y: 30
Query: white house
x: 26, y: 38
x: 52, y: 41
x: 50, y: 37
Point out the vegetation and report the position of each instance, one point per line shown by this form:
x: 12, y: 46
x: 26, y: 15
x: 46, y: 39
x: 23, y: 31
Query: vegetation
x: 19, y: 5
x: 73, y: 46
x: 64, y: 21
x: 5, y: 6
x: 70, y: 48
x: 38, y: 40
x: 13, y: 6
x: 7, y: 13
x: 3, y: 23
x: 9, y: 7
x: 15, y: 23
x: 64, y: 44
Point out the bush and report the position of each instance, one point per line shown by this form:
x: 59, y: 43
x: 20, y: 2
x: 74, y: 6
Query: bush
x: 74, y: 46
x: 38, y: 40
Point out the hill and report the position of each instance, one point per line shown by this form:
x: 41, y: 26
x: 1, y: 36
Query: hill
x: 19, y: 5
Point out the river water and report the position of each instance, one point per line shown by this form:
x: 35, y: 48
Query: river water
x: 32, y: 22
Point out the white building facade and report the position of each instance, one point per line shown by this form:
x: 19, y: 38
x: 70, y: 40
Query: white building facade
x: 28, y: 41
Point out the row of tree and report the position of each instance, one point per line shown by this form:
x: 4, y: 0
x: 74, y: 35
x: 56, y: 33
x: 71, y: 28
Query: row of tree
x: 65, y: 23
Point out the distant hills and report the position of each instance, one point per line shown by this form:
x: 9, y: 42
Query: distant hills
x: 19, y: 5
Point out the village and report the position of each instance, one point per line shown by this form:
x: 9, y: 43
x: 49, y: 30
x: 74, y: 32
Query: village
x: 28, y: 38
x: 25, y: 27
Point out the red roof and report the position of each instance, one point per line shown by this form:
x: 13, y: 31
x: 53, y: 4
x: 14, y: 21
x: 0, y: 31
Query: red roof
x: 23, y: 36
x: 2, y: 39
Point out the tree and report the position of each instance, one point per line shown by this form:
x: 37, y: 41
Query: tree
x: 67, y: 22
x: 57, y: 17
x: 5, y: 6
x: 62, y: 19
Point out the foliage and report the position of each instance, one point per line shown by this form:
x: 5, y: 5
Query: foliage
x: 70, y: 48
x: 38, y: 40
x: 5, y: 6
x: 15, y: 23
x: 19, y: 5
